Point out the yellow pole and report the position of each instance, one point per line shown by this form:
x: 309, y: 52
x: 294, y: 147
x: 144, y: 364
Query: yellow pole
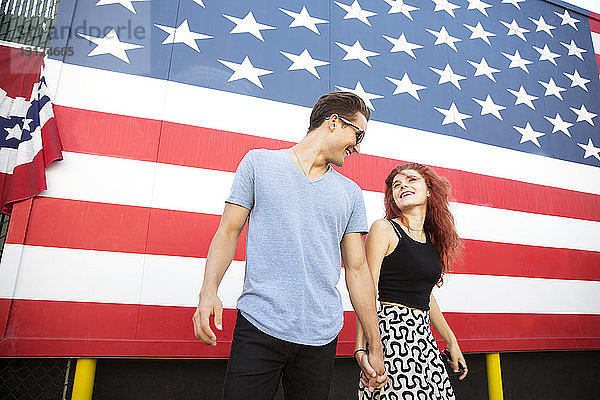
x: 83, y: 385
x: 494, y: 376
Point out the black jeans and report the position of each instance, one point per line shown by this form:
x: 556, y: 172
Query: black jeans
x: 257, y: 361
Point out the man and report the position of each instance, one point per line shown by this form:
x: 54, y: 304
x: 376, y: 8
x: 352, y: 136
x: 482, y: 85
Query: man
x: 301, y: 215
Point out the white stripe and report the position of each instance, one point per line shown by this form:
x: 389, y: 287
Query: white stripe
x: 49, y: 273
x: 147, y: 184
x: 596, y: 42
x: 590, y: 5
x: 9, y: 268
x: 508, y: 226
x: 497, y: 294
x: 108, y: 277
x: 101, y: 179
x: 112, y: 92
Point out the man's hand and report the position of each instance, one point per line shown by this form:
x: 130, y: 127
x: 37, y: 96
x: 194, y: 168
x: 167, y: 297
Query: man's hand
x: 373, y: 375
x: 208, y: 305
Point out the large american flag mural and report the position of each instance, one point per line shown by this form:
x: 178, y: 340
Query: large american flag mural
x: 157, y: 101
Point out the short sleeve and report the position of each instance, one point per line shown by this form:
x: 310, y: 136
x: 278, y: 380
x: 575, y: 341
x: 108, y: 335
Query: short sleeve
x: 358, y: 216
x: 242, y: 189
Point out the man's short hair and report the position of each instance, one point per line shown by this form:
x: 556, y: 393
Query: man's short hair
x: 344, y: 104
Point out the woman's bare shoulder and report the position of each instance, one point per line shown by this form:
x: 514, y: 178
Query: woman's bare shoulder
x: 381, y: 227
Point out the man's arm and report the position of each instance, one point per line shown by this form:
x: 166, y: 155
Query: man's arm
x: 220, y: 254
x: 376, y: 247
x: 362, y: 295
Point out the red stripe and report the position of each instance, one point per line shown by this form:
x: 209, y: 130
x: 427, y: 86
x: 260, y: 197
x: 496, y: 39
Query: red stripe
x: 66, y: 223
x: 491, y: 258
x: 19, y: 70
x: 595, y: 27
x: 17, y: 229
x: 142, y: 139
x: 60, y: 329
x: 595, y: 22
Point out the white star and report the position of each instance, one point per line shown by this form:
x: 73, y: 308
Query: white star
x: 590, y: 150
x: 484, y: 69
x: 110, y: 44
x: 552, y: 89
x: 406, y: 86
x: 356, y: 52
x: 355, y: 11
x: 515, y: 29
x: 452, y: 115
x: 128, y: 4
x: 399, y: 6
x: 447, y: 75
x: 304, y: 61
x: 248, y: 25
x: 584, y: 115
x: 360, y: 92
x: 514, y: 2
x: 546, y: 54
x: 541, y: 25
x: 517, y: 62
x: 199, y: 2
x: 477, y: 32
x: 401, y: 44
x: 182, y: 34
x: 478, y: 5
x: 574, y: 50
x: 14, y: 133
x: 445, y: 5
x: 559, y: 125
x: 443, y: 37
x: 26, y: 122
x: 304, y: 19
x: 489, y: 107
x: 245, y: 70
x: 523, y: 97
x: 529, y: 135
x: 567, y: 19
x: 577, y: 80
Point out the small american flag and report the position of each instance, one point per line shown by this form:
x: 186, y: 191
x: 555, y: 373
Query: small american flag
x: 28, y: 137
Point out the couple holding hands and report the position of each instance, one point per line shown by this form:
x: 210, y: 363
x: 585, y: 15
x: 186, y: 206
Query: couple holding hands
x: 303, y: 216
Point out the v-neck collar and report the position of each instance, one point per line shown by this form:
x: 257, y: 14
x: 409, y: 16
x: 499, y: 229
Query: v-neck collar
x: 301, y: 173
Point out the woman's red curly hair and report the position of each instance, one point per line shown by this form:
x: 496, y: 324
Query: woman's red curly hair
x: 439, y: 222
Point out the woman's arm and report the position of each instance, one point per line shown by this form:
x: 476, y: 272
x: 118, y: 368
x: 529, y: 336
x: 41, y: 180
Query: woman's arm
x: 376, y: 247
x: 440, y: 324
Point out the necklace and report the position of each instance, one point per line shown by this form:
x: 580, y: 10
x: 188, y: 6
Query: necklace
x: 298, y: 158
x: 415, y: 230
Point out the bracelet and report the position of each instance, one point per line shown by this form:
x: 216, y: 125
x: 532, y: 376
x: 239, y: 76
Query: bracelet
x: 357, y: 350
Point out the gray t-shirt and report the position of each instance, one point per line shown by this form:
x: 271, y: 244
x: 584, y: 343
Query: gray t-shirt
x: 293, y: 258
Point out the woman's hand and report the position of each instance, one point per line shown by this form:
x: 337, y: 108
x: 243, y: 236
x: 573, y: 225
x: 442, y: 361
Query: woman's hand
x: 456, y: 357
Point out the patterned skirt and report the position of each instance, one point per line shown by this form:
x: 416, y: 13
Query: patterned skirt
x: 412, y: 359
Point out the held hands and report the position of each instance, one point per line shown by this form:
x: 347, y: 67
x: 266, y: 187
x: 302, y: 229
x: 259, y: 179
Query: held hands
x: 373, y: 374
x: 208, y: 305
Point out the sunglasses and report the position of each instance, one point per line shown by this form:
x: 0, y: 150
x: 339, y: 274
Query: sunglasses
x: 360, y: 133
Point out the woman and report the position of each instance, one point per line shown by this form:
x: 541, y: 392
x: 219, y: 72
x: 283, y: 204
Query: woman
x: 408, y: 253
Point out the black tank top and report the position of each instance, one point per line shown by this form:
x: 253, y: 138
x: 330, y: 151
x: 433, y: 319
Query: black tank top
x: 409, y: 273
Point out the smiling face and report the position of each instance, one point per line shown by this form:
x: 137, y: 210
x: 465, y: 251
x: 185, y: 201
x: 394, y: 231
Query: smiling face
x: 409, y: 189
x: 343, y: 138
